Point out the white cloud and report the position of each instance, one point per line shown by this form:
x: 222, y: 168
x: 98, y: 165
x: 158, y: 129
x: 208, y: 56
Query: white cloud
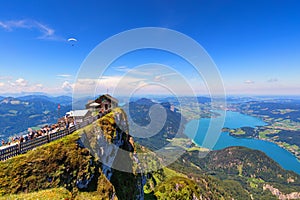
x: 39, y: 85
x: 249, y: 82
x: 20, y: 85
x: 21, y: 82
x: 5, y: 78
x: 142, y: 70
x: 111, y: 83
x: 64, y: 75
x: 66, y: 86
x: 45, y: 31
x: 163, y: 77
x: 144, y: 78
x: 3, y: 25
x: 121, y: 68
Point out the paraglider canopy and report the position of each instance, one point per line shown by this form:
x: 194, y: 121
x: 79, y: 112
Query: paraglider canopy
x: 72, y: 41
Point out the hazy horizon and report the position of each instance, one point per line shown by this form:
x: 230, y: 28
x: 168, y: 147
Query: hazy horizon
x: 16, y: 95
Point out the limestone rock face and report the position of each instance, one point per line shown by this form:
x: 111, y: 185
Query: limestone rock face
x: 281, y: 195
x: 110, y: 142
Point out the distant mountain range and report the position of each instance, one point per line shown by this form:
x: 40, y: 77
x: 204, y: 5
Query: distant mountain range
x: 62, y: 100
x: 139, y: 112
x: 17, y: 114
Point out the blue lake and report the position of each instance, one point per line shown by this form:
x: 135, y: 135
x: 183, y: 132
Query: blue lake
x: 236, y: 120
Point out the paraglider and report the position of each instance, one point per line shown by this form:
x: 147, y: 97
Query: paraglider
x: 72, y: 41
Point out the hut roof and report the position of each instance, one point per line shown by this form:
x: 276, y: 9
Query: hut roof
x: 110, y: 97
x: 77, y: 113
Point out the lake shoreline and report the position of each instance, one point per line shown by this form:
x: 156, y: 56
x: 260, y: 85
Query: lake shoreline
x: 265, y: 139
x: 250, y: 132
x: 235, y: 120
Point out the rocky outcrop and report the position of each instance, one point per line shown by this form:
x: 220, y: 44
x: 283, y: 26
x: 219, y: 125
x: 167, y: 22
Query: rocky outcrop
x: 109, y: 141
x: 279, y: 194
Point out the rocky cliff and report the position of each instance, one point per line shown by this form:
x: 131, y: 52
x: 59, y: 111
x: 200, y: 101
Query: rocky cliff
x: 110, y: 143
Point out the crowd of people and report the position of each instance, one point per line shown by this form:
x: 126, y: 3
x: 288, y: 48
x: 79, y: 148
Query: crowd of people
x: 65, y: 122
x: 45, y: 130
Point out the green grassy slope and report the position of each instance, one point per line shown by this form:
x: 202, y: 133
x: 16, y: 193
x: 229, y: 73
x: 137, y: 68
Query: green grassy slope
x: 59, y: 164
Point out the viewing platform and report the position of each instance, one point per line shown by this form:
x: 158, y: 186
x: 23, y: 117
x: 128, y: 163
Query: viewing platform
x: 102, y: 106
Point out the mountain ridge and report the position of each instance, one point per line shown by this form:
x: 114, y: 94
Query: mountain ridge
x: 18, y: 114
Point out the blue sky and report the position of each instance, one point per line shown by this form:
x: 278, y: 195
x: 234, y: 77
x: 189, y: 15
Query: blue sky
x: 255, y: 44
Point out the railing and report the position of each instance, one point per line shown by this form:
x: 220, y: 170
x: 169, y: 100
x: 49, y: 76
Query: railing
x: 23, y: 147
